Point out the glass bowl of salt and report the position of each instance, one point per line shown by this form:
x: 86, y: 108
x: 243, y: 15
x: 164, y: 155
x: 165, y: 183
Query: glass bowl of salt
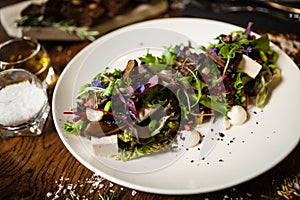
x: 24, y: 105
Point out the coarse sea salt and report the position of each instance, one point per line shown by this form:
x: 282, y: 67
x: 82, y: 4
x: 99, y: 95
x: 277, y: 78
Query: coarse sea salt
x: 20, y: 102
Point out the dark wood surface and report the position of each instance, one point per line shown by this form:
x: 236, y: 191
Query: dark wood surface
x: 40, y: 167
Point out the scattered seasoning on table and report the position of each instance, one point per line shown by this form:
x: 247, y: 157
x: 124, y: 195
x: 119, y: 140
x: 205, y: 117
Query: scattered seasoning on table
x: 289, y: 189
x: 133, y: 193
x: 91, y: 187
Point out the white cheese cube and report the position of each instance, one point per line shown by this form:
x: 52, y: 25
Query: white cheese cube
x: 249, y: 66
x: 105, y: 146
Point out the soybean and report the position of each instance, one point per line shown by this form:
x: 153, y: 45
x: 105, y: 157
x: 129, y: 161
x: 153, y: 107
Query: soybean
x: 263, y: 56
x: 275, y: 57
x: 107, y: 106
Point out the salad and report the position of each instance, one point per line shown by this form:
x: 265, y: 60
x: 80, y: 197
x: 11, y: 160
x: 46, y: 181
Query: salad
x: 142, y: 109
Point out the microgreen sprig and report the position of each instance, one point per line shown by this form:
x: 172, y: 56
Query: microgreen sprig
x: 228, y: 51
x: 107, y: 196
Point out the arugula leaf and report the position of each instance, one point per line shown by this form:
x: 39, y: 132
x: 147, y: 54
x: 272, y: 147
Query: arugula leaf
x: 169, y: 56
x: 262, y: 43
x: 149, y: 59
x: 107, y: 74
x: 213, y: 103
x: 73, y: 127
x: 156, y: 67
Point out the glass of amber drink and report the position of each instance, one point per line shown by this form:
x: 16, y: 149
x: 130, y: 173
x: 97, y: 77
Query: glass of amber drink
x: 27, y: 53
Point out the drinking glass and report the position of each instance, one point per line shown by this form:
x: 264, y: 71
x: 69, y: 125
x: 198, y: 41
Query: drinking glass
x: 27, y: 53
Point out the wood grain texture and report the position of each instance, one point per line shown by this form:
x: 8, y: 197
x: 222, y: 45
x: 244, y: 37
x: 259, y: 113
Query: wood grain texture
x: 31, y: 168
x: 42, y: 167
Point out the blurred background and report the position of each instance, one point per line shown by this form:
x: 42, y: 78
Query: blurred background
x: 278, y: 18
x: 275, y: 15
x: 278, y: 15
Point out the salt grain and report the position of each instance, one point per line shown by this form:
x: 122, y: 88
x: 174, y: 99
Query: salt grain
x: 49, y: 194
x: 20, y: 102
x: 70, y: 186
x: 95, y: 185
x: 101, y: 186
x: 133, y: 193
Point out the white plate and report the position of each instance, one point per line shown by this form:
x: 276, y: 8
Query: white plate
x: 245, y: 152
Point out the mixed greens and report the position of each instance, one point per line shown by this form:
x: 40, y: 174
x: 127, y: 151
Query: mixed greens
x: 239, y: 85
x: 149, y: 102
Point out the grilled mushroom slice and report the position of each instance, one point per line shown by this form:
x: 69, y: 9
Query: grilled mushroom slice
x: 131, y: 64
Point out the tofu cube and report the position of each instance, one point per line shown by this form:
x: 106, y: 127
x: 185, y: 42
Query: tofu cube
x: 249, y: 66
x: 105, y: 146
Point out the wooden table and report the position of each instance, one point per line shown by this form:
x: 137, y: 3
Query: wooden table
x: 42, y: 167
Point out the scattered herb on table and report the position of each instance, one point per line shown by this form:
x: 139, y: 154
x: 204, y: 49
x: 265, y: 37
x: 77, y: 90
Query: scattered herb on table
x: 64, y: 25
x: 289, y: 189
x: 107, y: 196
